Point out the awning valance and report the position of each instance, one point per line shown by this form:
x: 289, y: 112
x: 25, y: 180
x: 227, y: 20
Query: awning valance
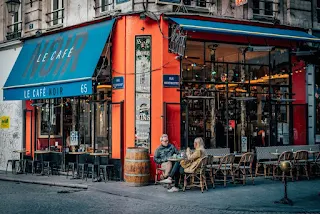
x: 58, y: 65
x: 244, y: 30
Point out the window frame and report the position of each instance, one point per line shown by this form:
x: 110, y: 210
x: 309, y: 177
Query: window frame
x: 105, y: 6
x: 261, y: 10
x: 39, y: 118
x: 55, y: 18
x: 13, y: 28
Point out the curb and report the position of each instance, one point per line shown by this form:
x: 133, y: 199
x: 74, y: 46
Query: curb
x: 76, y: 186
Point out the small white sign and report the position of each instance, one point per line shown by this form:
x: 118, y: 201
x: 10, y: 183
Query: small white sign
x: 244, y: 144
x: 74, y: 141
x: 241, y: 2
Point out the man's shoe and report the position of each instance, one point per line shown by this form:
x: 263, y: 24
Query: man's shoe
x: 173, y: 189
x: 166, y: 181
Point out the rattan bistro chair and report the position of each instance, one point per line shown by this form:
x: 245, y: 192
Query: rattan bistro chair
x: 225, y: 167
x: 210, y: 170
x: 244, y: 167
x: 198, y: 177
x: 285, y: 156
x: 316, y: 165
x: 301, y: 162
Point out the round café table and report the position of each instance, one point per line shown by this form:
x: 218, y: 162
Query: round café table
x: 99, y: 155
x: 77, y: 154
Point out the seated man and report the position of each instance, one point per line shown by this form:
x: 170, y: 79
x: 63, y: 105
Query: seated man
x: 163, y: 152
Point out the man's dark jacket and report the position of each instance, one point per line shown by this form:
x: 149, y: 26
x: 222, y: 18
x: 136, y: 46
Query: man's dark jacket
x: 163, y: 153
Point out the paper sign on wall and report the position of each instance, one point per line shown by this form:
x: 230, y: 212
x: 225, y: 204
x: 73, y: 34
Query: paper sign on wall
x: 74, y: 139
x: 4, y: 122
x: 244, y: 144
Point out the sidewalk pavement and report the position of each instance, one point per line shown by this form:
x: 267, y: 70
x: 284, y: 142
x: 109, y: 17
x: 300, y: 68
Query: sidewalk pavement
x: 253, y: 198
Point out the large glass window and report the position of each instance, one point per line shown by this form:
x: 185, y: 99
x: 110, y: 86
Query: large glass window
x: 103, y: 119
x: 50, y: 117
x: 234, y: 93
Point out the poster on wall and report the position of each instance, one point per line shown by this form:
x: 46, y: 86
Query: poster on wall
x: 244, y: 144
x: 5, y: 122
x: 142, y: 90
x: 74, y: 138
x: 283, y: 133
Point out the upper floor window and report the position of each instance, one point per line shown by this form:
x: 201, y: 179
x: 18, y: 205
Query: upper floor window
x: 15, y: 26
x: 265, y: 7
x: 105, y: 5
x: 55, y: 16
x: 197, y: 3
x: 57, y: 12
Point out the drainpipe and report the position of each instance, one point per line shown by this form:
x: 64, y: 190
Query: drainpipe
x: 312, y: 14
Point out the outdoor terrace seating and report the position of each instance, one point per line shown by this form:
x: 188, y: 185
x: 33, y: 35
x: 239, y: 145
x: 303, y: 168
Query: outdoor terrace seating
x: 266, y: 157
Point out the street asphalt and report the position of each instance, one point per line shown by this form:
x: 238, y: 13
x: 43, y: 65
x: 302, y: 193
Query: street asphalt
x: 53, y: 194
x: 32, y: 198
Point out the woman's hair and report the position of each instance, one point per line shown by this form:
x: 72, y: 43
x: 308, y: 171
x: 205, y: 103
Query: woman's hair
x: 200, y: 141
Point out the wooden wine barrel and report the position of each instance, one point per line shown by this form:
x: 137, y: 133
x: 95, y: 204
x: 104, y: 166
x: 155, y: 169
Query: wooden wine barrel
x: 137, y: 166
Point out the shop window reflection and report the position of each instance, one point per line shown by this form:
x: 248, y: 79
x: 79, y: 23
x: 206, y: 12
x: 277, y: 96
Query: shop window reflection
x: 50, y: 117
x: 84, y: 123
x: 103, y: 119
x: 214, y: 74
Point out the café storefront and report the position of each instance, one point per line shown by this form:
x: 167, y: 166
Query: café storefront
x: 240, y: 86
x: 176, y: 75
x: 65, y: 79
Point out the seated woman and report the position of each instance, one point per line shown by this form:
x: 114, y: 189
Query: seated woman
x: 188, y: 165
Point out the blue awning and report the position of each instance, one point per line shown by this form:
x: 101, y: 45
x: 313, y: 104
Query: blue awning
x: 244, y: 30
x: 58, y: 65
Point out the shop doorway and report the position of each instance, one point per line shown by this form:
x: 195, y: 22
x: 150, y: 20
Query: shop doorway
x: 28, y: 132
x: 171, y: 123
x: 300, y: 124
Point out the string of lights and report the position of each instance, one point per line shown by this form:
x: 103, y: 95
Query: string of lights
x: 146, y: 72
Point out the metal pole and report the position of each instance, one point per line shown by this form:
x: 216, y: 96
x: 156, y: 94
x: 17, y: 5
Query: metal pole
x: 121, y: 141
x: 227, y: 109
x: 269, y: 102
x: 49, y: 125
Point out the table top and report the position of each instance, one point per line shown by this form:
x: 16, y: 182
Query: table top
x: 175, y: 159
x: 99, y: 154
x: 55, y: 152
x: 239, y: 155
x: 41, y: 152
x: 278, y: 153
x: 45, y: 152
x: 20, y: 151
x: 313, y: 152
x: 77, y: 153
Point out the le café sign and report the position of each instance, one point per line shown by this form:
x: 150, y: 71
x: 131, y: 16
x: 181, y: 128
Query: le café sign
x: 241, y: 2
x: 58, y: 65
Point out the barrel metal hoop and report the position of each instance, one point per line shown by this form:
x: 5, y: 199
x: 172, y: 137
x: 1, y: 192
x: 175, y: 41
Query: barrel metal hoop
x: 137, y: 161
x: 135, y: 175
